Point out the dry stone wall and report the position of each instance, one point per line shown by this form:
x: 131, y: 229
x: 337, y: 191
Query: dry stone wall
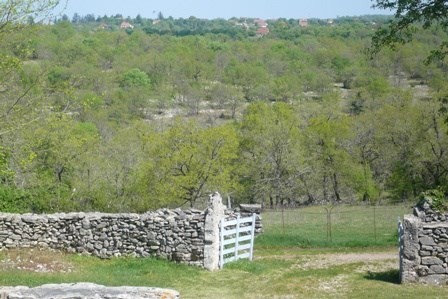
x: 424, y: 247
x: 186, y: 236
x: 172, y: 234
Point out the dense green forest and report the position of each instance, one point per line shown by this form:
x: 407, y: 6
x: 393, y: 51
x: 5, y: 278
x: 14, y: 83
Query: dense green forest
x: 162, y: 112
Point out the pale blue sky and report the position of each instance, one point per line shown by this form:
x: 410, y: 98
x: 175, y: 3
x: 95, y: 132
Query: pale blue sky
x: 224, y: 8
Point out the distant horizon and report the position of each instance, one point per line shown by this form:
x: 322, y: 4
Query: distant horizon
x: 201, y: 9
x: 220, y: 18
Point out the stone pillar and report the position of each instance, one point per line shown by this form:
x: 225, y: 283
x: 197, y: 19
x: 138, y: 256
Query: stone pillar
x: 213, y: 215
x: 409, y: 255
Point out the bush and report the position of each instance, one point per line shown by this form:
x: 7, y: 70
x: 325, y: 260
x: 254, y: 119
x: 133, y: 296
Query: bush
x: 435, y: 198
x: 13, y: 200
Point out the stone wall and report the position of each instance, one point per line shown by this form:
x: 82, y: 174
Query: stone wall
x: 172, y: 234
x: 186, y: 236
x: 424, y: 247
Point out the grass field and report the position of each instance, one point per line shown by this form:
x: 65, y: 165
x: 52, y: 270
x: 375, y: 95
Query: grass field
x: 340, y: 226
x: 281, y: 268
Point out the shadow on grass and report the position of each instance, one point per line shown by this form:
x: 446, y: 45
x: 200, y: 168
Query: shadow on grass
x: 391, y: 276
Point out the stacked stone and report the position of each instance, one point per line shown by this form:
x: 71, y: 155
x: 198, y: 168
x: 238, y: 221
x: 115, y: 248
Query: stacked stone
x: 171, y: 234
x: 424, y: 252
x: 427, y: 214
x: 189, y: 236
x: 433, y: 251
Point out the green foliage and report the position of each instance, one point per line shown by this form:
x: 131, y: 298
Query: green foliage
x: 408, y: 16
x: 271, y: 152
x: 187, y: 163
x: 14, y: 200
x: 16, y: 13
x: 6, y: 174
x: 436, y: 199
x: 58, y: 77
x: 87, y: 113
x: 135, y: 78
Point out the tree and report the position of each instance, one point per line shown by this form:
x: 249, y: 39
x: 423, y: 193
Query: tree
x: 187, y: 162
x: 408, y: 15
x: 324, y: 141
x: 105, y: 179
x: 59, y: 145
x: 408, y: 18
x: 21, y: 88
x: 226, y: 96
x: 14, y: 14
x: 134, y: 77
x: 271, y: 153
x: 14, y: 17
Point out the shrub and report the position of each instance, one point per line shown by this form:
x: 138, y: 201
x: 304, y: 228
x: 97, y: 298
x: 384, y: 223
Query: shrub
x: 435, y: 198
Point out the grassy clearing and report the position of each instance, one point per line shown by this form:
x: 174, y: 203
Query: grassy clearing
x: 278, y: 271
x: 346, y: 226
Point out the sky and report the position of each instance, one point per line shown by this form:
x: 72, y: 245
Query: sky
x: 267, y: 9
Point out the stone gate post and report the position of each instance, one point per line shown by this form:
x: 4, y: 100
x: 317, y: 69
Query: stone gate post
x: 213, y: 215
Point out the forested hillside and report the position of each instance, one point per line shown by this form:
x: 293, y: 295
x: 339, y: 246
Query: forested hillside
x: 163, y: 112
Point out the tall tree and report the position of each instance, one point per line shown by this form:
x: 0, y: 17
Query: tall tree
x: 22, y: 90
x: 14, y: 14
x: 187, y: 162
x: 15, y: 83
x: 408, y: 15
x: 271, y: 154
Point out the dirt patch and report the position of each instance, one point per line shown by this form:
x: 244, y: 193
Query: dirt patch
x: 34, y: 260
x: 339, y: 285
x: 323, y: 261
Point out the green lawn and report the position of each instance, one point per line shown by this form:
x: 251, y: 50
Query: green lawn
x: 278, y: 271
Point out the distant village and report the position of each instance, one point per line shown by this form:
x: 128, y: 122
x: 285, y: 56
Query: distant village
x: 256, y: 27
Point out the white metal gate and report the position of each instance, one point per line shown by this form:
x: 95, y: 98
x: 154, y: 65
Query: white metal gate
x: 236, y: 239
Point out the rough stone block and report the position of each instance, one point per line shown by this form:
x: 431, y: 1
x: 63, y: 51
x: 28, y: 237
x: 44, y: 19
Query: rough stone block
x: 431, y: 261
x: 86, y: 290
x: 425, y: 253
x: 428, y: 241
x: 437, y: 269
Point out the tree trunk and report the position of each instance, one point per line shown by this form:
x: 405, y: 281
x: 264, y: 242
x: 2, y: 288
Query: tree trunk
x: 336, y: 187
x: 324, y: 187
x: 310, y: 196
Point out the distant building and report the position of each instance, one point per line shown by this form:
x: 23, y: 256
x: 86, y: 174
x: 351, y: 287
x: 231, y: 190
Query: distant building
x: 126, y: 25
x: 262, y: 27
x: 262, y: 31
x: 261, y: 23
x: 242, y: 24
x: 303, y: 23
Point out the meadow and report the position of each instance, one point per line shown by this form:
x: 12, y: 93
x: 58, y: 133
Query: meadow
x: 294, y: 258
x: 333, y: 226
